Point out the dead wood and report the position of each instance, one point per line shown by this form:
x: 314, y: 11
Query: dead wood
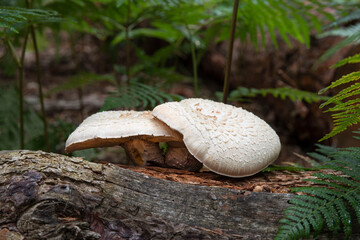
x: 51, y: 196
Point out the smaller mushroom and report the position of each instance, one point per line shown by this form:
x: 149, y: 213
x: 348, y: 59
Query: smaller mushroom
x: 138, y: 132
x: 177, y: 156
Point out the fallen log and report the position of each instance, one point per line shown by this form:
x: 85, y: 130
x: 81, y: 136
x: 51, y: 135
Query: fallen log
x: 52, y: 196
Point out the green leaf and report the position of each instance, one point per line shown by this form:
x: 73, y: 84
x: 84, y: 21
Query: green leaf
x: 284, y: 92
x: 327, y: 202
x: 352, y: 59
x: 354, y: 76
x: 13, y: 18
x: 137, y: 95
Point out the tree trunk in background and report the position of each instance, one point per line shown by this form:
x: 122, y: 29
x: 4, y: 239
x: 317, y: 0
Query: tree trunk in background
x: 51, y: 196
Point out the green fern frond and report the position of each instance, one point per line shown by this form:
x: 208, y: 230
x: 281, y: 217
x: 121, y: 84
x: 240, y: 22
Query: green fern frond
x: 346, y: 109
x: 283, y: 93
x: 348, y: 18
x: 343, y: 120
x: 338, y: 180
x: 330, y: 204
x: 343, y: 32
x: 138, y: 95
x: 288, y: 18
x: 351, y: 33
x: 348, y: 92
x: 346, y: 42
x: 350, y: 104
x: 12, y: 17
x: 351, y: 77
x: 352, y: 59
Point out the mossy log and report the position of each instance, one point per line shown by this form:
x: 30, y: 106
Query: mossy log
x: 52, y: 196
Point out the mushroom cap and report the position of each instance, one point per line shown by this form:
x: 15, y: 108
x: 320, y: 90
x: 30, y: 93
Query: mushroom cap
x: 226, y: 139
x: 111, y: 128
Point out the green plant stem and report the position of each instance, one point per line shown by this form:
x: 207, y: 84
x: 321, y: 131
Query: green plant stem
x: 41, y: 96
x: 38, y: 76
x: 194, y: 61
x: 21, y: 108
x: 81, y: 102
x: 127, y: 38
x: 229, y: 53
x: 19, y: 64
x: 21, y: 92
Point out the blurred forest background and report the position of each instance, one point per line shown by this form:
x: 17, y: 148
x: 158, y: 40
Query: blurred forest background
x: 63, y: 60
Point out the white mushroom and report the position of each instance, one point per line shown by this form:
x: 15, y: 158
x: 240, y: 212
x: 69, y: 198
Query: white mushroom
x: 138, y: 132
x: 227, y: 140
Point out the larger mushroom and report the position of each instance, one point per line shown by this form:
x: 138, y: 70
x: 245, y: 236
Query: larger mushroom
x: 138, y: 132
x: 227, y: 140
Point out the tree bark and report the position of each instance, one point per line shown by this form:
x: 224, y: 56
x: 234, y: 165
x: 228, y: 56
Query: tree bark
x: 51, y: 196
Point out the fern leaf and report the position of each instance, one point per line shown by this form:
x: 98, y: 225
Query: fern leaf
x: 331, y: 217
x: 283, y: 93
x: 353, y: 173
x: 335, y: 178
x: 307, y: 229
x: 351, y: 77
x: 343, y: 32
x: 352, y: 59
x: 319, y: 157
x: 344, y: 216
x: 138, y: 95
x: 354, y: 200
x: 327, y: 204
x: 12, y: 17
x: 298, y: 211
x: 348, y: 18
x: 350, y: 32
x: 343, y: 121
x: 307, y: 201
x: 329, y: 184
x: 350, y: 91
x: 348, y: 105
x: 288, y: 18
x: 316, y: 222
x: 347, y: 41
x: 346, y: 111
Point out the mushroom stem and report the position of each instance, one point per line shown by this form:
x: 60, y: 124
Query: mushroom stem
x: 177, y: 156
x: 143, y: 152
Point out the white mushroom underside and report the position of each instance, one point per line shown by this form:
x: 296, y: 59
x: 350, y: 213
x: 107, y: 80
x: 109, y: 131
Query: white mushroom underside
x: 228, y: 140
x: 110, y: 128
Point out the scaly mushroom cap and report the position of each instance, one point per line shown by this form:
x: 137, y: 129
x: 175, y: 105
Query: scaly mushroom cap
x: 228, y: 140
x: 111, y: 128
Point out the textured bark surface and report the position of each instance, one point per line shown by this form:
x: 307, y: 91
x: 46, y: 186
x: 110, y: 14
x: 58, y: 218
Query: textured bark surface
x: 51, y: 196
